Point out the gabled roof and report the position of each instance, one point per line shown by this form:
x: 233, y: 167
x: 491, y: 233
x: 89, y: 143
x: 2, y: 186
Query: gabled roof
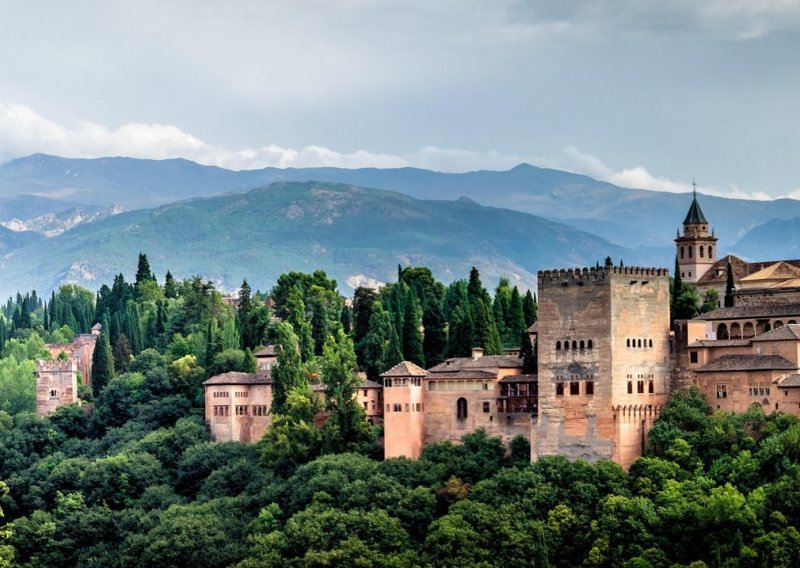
x: 749, y: 363
x: 493, y: 361
x: 789, y: 332
x: 780, y: 270
x: 789, y: 381
x: 534, y: 328
x: 268, y: 351
x: 695, y: 215
x: 464, y: 374
x: 236, y: 378
x: 720, y: 343
x: 367, y: 384
x: 739, y: 312
x: 405, y: 369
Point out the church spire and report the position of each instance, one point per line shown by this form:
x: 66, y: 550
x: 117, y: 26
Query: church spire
x: 695, y: 215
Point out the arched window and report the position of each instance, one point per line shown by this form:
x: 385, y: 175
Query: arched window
x: 681, y: 252
x: 53, y: 393
x: 690, y: 252
x: 582, y: 345
x: 710, y: 252
x: 628, y: 342
x: 574, y: 344
x: 777, y: 324
x: 722, y: 331
x: 790, y: 322
x: 558, y: 346
x: 736, y: 330
x: 748, y: 331
x: 590, y: 344
x: 566, y: 345
x: 651, y: 343
x: 640, y: 343
x: 461, y: 408
x: 701, y: 251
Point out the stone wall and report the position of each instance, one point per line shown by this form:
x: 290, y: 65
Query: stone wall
x: 56, y: 385
x: 236, y: 412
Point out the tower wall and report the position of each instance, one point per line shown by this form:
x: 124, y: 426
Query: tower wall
x: 609, y: 307
x: 56, y: 385
x: 404, y: 419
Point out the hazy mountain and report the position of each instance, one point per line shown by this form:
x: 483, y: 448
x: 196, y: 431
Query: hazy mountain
x: 351, y: 232
x: 775, y: 239
x: 628, y: 217
x: 52, y: 224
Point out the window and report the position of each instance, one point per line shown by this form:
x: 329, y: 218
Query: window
x: 589, y: 344
x: 388, y: 408
x: 406, y: 407
x: 574, y: 388
x: 461, y: 408
x: 486, y: 407
x: 650, y: 387
x: 589, y: 387
x: 630, y: 387
x: 710, y: 251
x: 582, y: 345
x: 640, y: 343
x: 365, y: 392
x: 701, y: 251
x: 690, y: 252
x: 53, y: 394
x: 650, y: 342
x: 682, y: 252
x: 693, y: 356
x: 558, y: 346
x: 559, y: 389
x: 574, y: 344
x: 640, y: 387
x: 722, y: 391
x: 366, y: 406
x: 628, y: 342
x: 397, y: 407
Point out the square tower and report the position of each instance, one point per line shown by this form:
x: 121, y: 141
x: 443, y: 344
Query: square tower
x: 56, y: 385
x: 603, y: 358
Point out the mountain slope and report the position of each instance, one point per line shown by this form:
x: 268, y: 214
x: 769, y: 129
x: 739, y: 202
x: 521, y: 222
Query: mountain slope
x: 775, y: 239
x: 628, y: 217
x: 343, y: 229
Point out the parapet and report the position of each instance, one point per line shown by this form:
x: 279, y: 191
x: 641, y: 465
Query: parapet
x: 582, y: 276
x: 56, y: 366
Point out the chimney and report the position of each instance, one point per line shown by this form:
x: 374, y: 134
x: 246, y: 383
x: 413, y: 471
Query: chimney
x: 477, y: 352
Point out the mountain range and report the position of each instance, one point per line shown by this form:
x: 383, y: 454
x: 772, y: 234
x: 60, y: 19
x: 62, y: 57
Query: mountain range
x: 191, y: 219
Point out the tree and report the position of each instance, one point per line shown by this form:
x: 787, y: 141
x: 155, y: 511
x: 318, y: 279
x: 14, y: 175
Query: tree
x: 381, y: 346
x: 434, y: 341
x: 730, y: 286
x: 515, y: 324
x: 293, y: 438
x: 296, y: 317
x: 170, y: 288
x: 102, y: 364
x: 287, y: 374
x: 710, y: 301
x: 530, y: 309
x: 412, y: 338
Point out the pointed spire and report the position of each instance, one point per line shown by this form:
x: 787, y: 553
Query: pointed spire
x: 695, y: 215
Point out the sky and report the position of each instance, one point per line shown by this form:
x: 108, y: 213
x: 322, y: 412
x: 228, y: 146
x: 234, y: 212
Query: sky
x: 642, y: 93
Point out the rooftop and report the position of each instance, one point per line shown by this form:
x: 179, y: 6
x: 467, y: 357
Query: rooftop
x: 695, y: 215
x: 236, y: 378
x: 405, y: 369
x: 789, y: 332
x: 741, y: 312
x: 789, y: 381
x: 748, y: 363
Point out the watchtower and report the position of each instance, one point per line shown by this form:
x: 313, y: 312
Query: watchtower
x: 696, y: 250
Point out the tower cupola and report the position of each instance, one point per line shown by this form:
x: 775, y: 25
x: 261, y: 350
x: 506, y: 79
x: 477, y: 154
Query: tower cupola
x: 696, y: 249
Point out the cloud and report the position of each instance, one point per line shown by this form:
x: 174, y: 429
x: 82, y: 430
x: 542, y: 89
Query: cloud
x: 637, y: 177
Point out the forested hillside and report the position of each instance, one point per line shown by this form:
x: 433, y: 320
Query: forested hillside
x: 131, y: 478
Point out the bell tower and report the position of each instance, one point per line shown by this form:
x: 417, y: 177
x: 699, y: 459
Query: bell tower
x: 696, y: 249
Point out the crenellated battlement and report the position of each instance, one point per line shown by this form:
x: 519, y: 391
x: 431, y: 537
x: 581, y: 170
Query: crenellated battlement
x: 566, y: 276
x: 55, y: 366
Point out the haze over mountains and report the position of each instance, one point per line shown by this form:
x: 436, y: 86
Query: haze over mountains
x: 446, y: 221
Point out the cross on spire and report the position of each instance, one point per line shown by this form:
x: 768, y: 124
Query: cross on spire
x: 694, y: 189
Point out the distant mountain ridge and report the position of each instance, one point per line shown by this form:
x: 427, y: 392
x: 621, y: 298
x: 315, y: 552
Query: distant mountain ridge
x: 628, y: 217
x: 352, y: 232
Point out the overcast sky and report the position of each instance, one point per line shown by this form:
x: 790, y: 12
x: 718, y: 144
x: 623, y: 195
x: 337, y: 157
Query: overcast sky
x: 642, y: 93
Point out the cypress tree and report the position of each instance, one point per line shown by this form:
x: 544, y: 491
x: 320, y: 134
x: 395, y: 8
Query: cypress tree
x: 287, y: 372
x: 249, y: 361
x: 434, y: 341
x: 102, y: 364
x: 412, y: 338
x: 320, y: 324
x: 296, y: 311
x: 143, y: 272
x: 170, y: 288
x: 516, y: 318
x: 529, y: 309
x: 730, y: 286
x: 460, y: 333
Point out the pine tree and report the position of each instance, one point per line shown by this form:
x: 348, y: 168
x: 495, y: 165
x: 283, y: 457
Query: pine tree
x: 287, y: 373
x: 730, y: 286
x: 250, y: 364
x: 475, y: 289
x: 102, y: 364
x: 170, y: 288
x: 529, y: 309
x: 244, y: 313
x: 143, y: 272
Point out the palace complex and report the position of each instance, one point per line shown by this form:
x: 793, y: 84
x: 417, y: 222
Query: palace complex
x: 608, y: 357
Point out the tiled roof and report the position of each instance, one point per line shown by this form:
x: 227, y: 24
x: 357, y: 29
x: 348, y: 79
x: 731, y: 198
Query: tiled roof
x: 779, y: 270
x: 494, y: 361
x: 764, y: 311
x: 789, y: 381
x: 720, y: 343
x: 405, y: 369
x: 367, y: 384
x: 449, y: 365
x: 748, y: 363
x: 789, y: 332
x: 235, y: 378
x: 718, y: 273
x: 519, y: 379
x: 695, y: 215
x: 534, y: 328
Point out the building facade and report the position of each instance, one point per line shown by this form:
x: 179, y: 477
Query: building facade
x: 56, y: 385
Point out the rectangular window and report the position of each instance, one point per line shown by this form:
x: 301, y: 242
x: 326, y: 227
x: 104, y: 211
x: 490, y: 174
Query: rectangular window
x: 589, y: 387
x: 650, y: 387
x: 366, y: 406
x: 365, y: 392
x: 722, y: 391
x: 559, y: 389
x: 574, y: 388
x: 486, y: 407
x: 693, y: 356
x: 640, y: 387
x: 406, y: 407
x: 630, y: 387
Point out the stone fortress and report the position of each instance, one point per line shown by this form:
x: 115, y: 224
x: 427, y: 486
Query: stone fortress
x: 607, y: 358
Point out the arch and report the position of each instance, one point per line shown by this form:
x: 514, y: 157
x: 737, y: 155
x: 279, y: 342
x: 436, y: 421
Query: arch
x: 566, y: 345
x: 701, y: 251
x: 640, y: 343
x: 722, y: 331
x: 558, y: 346
x: 589, y: 344
x: 650, y: 342
x: 777, y: 324
x: 748, y: 330
x: 461, y: 408
x: 690, y: 251
x: 681, y: 252
x: 790, y: 322
x: 582, y: 345
x: 628, y: 342
x: 710, y: 252
x: 736, y: 330
x: 574, y: 344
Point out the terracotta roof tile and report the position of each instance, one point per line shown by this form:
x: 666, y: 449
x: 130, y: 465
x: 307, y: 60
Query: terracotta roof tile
x: 235, y: 378
x: 463, y: 374
x: 720, y: 343
x: 748, y: 363
x: 405, y: 369
x: 789, y: 332
x: 789, y: 381
x: 764, y: 311
x: 519, y: 379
